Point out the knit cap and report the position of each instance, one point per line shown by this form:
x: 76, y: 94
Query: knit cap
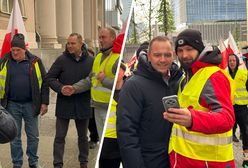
x: 18, y: 41
x: 190, y: 37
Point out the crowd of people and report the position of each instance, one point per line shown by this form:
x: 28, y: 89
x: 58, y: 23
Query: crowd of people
x: 83, y: 83
x: 199, y: 133
x: 139, y: 131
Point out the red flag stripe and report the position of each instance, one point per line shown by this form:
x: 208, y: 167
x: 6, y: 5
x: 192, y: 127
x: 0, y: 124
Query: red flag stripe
x: 16, y: 25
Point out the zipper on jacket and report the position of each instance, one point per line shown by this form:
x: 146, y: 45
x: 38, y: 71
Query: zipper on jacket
x: 175, y: 164
x: 206, y: 162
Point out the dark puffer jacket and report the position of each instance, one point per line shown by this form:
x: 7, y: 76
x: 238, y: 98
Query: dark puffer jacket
x: 142, y: 133
x: 67, y: 70
x: 39, y: 96
x: 8, y: 128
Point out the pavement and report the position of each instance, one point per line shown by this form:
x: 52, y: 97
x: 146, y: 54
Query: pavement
x: 47, y: 133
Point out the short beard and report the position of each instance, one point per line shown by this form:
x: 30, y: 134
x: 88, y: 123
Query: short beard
x: 186, y: 66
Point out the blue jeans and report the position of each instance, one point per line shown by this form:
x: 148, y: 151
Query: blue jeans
x: 24, y: 111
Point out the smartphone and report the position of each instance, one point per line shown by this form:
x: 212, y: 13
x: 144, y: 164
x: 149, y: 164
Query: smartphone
x: 170, y: 102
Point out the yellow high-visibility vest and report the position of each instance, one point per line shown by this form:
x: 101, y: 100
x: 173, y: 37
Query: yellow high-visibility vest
x: 111, y: 125
x: 98, y: 92
x: 3, y: 75
x: 196, y: 145
x: 241, y: 94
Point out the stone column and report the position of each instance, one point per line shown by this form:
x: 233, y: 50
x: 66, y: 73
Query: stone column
x: 95, y: 22
x: 78, y: 17
x: 64, y: 20
x: 91, y: 12
x: 46, y: 23
x: 88, y: 28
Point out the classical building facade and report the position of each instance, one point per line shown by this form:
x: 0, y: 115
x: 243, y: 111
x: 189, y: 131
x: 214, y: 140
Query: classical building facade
x: 49, y: 22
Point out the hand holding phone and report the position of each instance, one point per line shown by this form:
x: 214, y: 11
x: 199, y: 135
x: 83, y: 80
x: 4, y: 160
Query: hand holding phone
x: 170, y: 102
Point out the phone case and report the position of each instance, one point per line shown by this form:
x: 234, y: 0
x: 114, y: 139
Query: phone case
x: 170, y: 101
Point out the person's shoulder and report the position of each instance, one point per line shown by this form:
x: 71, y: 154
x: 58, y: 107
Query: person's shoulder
x: 32, y: 57
x: 98, y: 54
x: 62, y: 57
x: 219, y: 77
x: 135, y: 82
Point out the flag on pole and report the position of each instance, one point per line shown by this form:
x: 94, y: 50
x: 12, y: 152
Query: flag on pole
x: 16, y: 25
x: 224, y: 54
x: 232, y: 46
x: 245, y: 52
x: 233, y: 49
x: 132, y: 61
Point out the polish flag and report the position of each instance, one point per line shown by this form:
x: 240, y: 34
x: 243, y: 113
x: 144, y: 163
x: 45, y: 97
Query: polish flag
x: 132, y: 61
x: 245, y: 52
x: 16, y: 25
x: 224, y: 54
x: 233, y: 49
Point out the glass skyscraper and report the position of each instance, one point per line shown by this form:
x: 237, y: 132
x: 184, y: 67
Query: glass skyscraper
x: 215, y: 10
x: 191, y: 11
x: 214, y: 18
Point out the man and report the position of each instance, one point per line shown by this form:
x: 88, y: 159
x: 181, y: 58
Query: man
x: 25, y: 95
x: 102, y: 77
x: 73, y: 65
x: 110, y: 153
x: 142, y: 133
x: 202, y: 130
x: 240, y: 100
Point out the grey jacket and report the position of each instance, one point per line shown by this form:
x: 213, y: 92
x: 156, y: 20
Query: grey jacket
x: 85, y: 84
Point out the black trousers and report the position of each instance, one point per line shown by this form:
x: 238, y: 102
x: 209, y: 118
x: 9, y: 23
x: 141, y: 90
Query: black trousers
x: 110, y: 154
x: 241, y: 115
x: 109, y: 163
x: 92, y: 128
x: 59, y: 141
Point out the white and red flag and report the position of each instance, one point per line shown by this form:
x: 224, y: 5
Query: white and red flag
x: 224, y: 54
x: 16, y: 25
x: 132, y: 61
x: 233, y: 49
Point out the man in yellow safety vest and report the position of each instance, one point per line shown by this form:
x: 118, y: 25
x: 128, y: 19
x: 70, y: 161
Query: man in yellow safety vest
x: 202, y: 130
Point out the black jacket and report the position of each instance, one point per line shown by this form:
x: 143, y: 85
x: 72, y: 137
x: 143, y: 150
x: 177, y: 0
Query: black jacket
x: 38, y: 96
x: 66, y: 70
x: 142, y: 133
x: 8, y: 127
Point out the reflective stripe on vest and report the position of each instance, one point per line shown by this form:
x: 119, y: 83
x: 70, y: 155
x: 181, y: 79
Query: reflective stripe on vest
x: 98, y: 92
x: 38, y: 74
x: 111, y: 125
x: 206, y: 140
x: 241, y: 94
x: 3, y: 74
x: 196, y: 145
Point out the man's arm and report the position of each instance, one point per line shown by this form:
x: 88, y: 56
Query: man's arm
x: 83, y: 85
x: 129, y: 111
x: 109, y: 82
x: 45, y: 86
x: 215, y: 96
x: 53, y: 74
